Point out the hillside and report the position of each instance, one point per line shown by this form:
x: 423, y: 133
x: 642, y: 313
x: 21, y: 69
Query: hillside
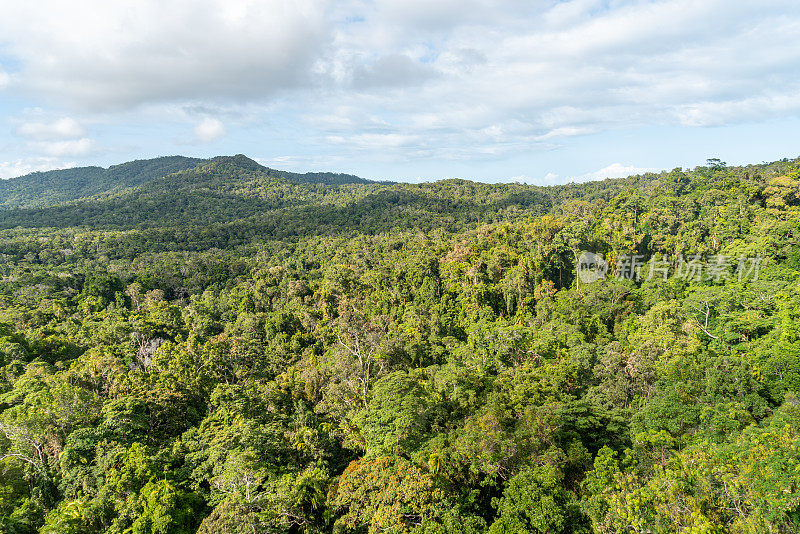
x: 53, y: 188
x: 236, y: 194
x: 233, y: 200
x: 49, y: 188
x: 228, y: 348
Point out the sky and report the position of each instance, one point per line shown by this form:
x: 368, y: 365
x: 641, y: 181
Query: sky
x: 535, y: 91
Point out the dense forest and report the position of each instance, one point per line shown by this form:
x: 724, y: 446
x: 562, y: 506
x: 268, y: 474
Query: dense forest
x: 215, y: 347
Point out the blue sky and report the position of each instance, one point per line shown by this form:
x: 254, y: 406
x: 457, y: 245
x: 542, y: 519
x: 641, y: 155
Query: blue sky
x: 536, y: 91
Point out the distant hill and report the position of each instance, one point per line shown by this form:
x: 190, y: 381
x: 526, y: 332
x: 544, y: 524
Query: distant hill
x: 223, y: 188
x: 229, y: 201
x: 42, y: 189
x: 52, y: 188
x: 233, y: 199
x: 328, y: 178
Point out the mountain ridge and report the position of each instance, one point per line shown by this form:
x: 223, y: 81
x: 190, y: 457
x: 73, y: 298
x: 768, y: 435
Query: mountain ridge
x: 44, y: 189
x: 47, y: 188
x: 232, y: 196
x: 232, y: 200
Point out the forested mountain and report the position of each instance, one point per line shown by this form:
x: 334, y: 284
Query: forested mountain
x: 235, y: 200
x: 232, y: 349
x: 54, y: 187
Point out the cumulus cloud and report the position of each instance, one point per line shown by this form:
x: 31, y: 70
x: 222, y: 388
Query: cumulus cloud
x: 543, y: 71
x: 21, y: 167
x: 550, y: 178
x: 711, y: 113
x: 47, y: 139
x: 63, y: 128
x: 71, y: 147
x: 209, y: 129
x: 451, y: 79
x: 108, y: 55
x: 615, y: 170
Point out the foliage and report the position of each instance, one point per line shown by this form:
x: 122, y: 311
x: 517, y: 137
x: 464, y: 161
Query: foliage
x: 214, y: 346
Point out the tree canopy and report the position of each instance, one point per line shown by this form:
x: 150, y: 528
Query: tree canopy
x: 226, y: 348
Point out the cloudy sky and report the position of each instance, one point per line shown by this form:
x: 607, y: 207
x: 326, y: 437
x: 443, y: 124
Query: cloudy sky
x: 540, y: 91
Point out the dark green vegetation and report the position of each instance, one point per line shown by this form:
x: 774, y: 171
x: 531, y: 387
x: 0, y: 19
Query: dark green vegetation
x: 232, y: 349
x: 92, y: 184
x: 53, y: 187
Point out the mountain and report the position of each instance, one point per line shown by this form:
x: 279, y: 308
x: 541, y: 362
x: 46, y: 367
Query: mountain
x: 221, y: 189
x: 52, y: 188
x: 327, y: 178
x: 231, y: 196
x: 40, y: 189
x: 230, y: 201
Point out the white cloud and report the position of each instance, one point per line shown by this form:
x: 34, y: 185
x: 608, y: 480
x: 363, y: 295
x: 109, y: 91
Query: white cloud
x: 415, y: 79
x: 63, y: 128
x: 209, y: 129
x: 565, y: 131
x: 615, y: 170
x: 21, y: 167
x: 550, y: 178
x: 537, y: 72
x: 303, y: 163
x: 5, y: 79
x: 519, y: 179
x: 711, y: 113
x: 106, y: 55
x: 71, y: 147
